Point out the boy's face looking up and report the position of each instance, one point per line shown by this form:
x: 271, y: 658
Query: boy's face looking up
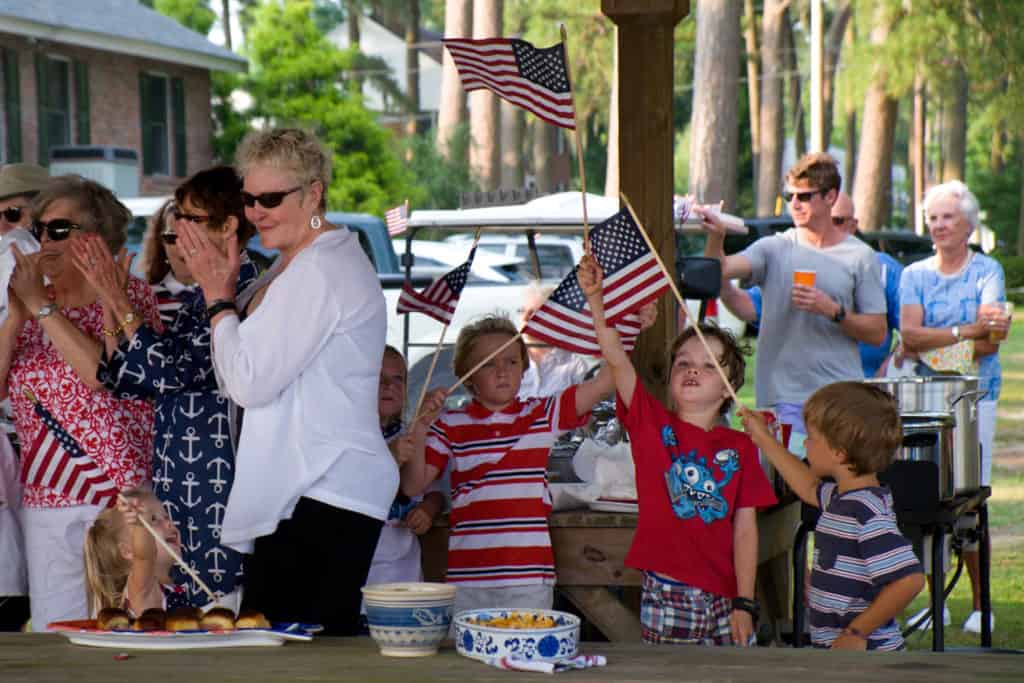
x: 391, y: 396
x: 497, y: 383
x: 694, y: 383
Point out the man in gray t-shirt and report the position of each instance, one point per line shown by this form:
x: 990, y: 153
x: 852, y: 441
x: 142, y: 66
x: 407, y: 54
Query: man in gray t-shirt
x: 808, y: 334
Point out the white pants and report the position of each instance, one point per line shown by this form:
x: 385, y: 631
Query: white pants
x: 987, y: 438
x: 54, y: 541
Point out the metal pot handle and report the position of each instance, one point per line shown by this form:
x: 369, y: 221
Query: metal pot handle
x: 973, y: 393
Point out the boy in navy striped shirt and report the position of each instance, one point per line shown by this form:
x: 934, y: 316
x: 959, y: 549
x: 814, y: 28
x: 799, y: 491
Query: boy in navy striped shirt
x: 865, y: 572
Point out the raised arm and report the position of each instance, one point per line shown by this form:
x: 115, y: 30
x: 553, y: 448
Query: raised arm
x: 415, y: 473
x: 617, y: 361
x: 735, y: 266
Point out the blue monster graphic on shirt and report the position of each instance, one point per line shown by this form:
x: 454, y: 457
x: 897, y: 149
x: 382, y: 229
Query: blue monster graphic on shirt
x: 692, y: 487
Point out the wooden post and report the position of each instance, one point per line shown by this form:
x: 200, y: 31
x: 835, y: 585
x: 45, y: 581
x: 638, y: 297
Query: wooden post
x: 645, y: 41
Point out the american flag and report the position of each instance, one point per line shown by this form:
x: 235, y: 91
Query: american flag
x: 56, y: 461
x: 632, y: 277
x: 535, y: 79
x: 441, y: 297
x: 397, y: 219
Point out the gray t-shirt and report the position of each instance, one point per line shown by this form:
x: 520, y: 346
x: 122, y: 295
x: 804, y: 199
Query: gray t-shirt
x: 799, y: 352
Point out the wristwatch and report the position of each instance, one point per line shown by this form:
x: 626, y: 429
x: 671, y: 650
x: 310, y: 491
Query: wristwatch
x: 840, y: 314
x: 956, y: 333
x: 46, y: 310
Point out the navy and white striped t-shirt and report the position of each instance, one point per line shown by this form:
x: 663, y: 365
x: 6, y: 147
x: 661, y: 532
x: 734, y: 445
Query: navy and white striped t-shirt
x: 858, y: 550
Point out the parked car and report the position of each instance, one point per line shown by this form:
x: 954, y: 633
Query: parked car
x: 557, y: 254
x: 434, y: 259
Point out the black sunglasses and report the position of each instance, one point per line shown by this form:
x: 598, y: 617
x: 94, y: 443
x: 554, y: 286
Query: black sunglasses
x: 804, y: 197
x: 268, y: 200
x: 838, y: 221
x: 57, y: 230
x: 192, y: 218
x: 12, y: 214
x: 169, y: 237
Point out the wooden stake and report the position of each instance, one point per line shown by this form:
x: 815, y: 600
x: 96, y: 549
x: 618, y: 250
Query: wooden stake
x: 682, y: 302
x: 170, y: 551
x: 579, y: 144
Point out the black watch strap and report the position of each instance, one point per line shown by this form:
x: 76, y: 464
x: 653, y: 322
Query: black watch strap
x: 747, y: 605
x: 840, y: 314
x: 219, y: 307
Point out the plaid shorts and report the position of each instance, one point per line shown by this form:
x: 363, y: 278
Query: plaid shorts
x: 672, y: 612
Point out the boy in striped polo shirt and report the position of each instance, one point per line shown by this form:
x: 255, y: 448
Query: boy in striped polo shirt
x: 499, y: 548
x: 864, y: 572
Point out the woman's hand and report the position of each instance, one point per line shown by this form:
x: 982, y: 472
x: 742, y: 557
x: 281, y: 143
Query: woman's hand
x: 27, y: 282
x: 590, y: 276
x: 109, y: 278
x: 215, y: 271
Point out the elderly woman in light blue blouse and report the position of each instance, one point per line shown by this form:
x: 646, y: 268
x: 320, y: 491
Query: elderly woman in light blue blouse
x: 948, y: 298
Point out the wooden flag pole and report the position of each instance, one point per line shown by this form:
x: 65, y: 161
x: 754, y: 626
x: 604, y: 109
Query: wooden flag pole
x: 579, y: 144
x: 407, y: 212
x: 170, y: 551
x: 682, y: 302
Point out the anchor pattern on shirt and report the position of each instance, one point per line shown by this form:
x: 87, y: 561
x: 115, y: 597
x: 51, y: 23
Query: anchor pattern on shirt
x: 193, y: 453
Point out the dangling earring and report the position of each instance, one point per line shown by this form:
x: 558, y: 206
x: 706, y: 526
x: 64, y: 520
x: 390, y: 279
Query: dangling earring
x: 315, y: 222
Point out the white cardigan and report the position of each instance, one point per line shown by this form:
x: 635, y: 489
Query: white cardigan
x: 306, y: 368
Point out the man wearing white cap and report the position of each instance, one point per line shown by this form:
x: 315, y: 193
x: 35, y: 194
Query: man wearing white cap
x: 19, y: 183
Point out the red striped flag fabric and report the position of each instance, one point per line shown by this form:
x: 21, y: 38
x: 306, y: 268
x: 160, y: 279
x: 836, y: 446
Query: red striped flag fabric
x: 397, y: 219
x: 535, y: 79
x: 632, y: 278
x: 441, y: 297
x: 56, y: 461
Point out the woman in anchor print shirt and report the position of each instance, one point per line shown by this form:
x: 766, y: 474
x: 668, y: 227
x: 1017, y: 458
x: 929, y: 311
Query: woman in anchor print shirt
x: 194, y: 457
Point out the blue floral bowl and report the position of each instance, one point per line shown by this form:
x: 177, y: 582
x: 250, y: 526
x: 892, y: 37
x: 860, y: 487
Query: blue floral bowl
x: 409, y: 619
x: 474, y: 638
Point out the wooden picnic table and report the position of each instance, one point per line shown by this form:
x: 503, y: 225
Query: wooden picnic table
x: 590, y: 551
x: 42, y: 658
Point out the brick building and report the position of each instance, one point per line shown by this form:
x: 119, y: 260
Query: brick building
x: 107, y: 72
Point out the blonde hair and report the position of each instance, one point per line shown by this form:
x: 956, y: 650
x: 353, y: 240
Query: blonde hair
x: 470, y: 334
x: 106, y: 568
x: 294, y: 151
x: 154, y: 253
x: 859, y: 420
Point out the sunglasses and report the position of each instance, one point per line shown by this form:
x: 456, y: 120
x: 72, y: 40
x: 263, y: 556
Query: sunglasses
x: 804, y: 197
x: 192, y: 218
x: 57, y: 230
x: 268, y: 200
x: 12, y: 214
x: 838, y: 221
x: 169, y: 237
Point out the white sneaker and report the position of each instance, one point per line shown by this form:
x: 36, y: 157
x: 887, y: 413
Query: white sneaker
x: 973, y: 623
x: 926, y: 625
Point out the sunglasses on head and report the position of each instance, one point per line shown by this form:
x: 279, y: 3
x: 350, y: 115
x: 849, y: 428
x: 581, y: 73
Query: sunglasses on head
x: 58, y: 229
x: 268, y: 200
x: 192, y: 218
x: 12, y: 214
x: 804, y: 197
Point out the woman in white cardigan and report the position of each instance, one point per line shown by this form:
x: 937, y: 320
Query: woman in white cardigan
x: 300, y: 353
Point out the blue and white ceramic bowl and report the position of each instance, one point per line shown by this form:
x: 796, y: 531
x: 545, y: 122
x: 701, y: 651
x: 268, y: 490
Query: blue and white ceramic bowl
x: 473, y: 638
x: 409, y: 619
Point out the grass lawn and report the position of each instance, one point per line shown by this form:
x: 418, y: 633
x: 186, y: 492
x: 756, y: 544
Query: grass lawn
x: 1006, y: 516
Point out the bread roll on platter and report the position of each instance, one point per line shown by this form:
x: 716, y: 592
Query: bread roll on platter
x: 151, y: 620
x: 250, y: 618
x: 113, y: 619
x: 184, y: 619
x: 218, y: 619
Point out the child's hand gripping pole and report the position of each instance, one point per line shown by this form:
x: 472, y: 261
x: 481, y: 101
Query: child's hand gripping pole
x: 170, y: 551
x: 682, y: 303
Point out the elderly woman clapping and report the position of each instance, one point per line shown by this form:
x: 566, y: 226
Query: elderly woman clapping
x: 300, y: 351
x: 50, y: 349
x: 950, y: 302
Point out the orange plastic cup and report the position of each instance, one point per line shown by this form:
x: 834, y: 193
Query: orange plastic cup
x: 804, y: 277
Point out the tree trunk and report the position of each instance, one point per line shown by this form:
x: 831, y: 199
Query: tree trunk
x: 458, y: 23
x: 412, y: 66
x: 796, y: 102
x: 543, y: 155
x: 954, y: 136
x: 850, y: 143
x: 769, y: 168
x: 753, y: 80
x: 354, y: 14
x: 918, y: 157
x: 833, y: 48
x: 1020, y: 215
x: 513, y: 121
x: 611, y: 173
x: 874, y: 164
x: 484, y: 108
x: 225, y: 19
x: 714, y: 130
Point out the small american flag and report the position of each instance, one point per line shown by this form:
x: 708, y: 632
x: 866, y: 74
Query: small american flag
x: 535, y: 79
x: 632, y: 277
x: 56, y: 461
x: 397, y: 219
x: 441, y: 297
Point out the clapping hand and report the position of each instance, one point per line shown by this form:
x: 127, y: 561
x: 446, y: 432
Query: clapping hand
x: 214, y: 270
x: 27, y: 281
x: 109, y: 278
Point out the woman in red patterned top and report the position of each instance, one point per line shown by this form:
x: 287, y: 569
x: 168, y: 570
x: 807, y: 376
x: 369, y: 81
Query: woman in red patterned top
x: 49, y: 351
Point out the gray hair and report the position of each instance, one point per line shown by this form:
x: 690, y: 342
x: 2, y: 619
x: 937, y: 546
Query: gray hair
x: 969, y: 207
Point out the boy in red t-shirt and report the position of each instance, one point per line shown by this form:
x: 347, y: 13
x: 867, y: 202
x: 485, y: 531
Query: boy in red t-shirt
x: 698, y: 482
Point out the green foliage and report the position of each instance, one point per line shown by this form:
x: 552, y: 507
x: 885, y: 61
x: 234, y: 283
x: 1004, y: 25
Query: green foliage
x: 327, y: 14
x: 194, y: 14
x: 297, y: 78
x: 229, y: 124
x: 1013, y: 268
x: 998, y: 191
x: 439, y: 182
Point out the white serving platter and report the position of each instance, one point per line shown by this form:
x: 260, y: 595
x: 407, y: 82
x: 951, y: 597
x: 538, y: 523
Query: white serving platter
x: 85, y: 633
